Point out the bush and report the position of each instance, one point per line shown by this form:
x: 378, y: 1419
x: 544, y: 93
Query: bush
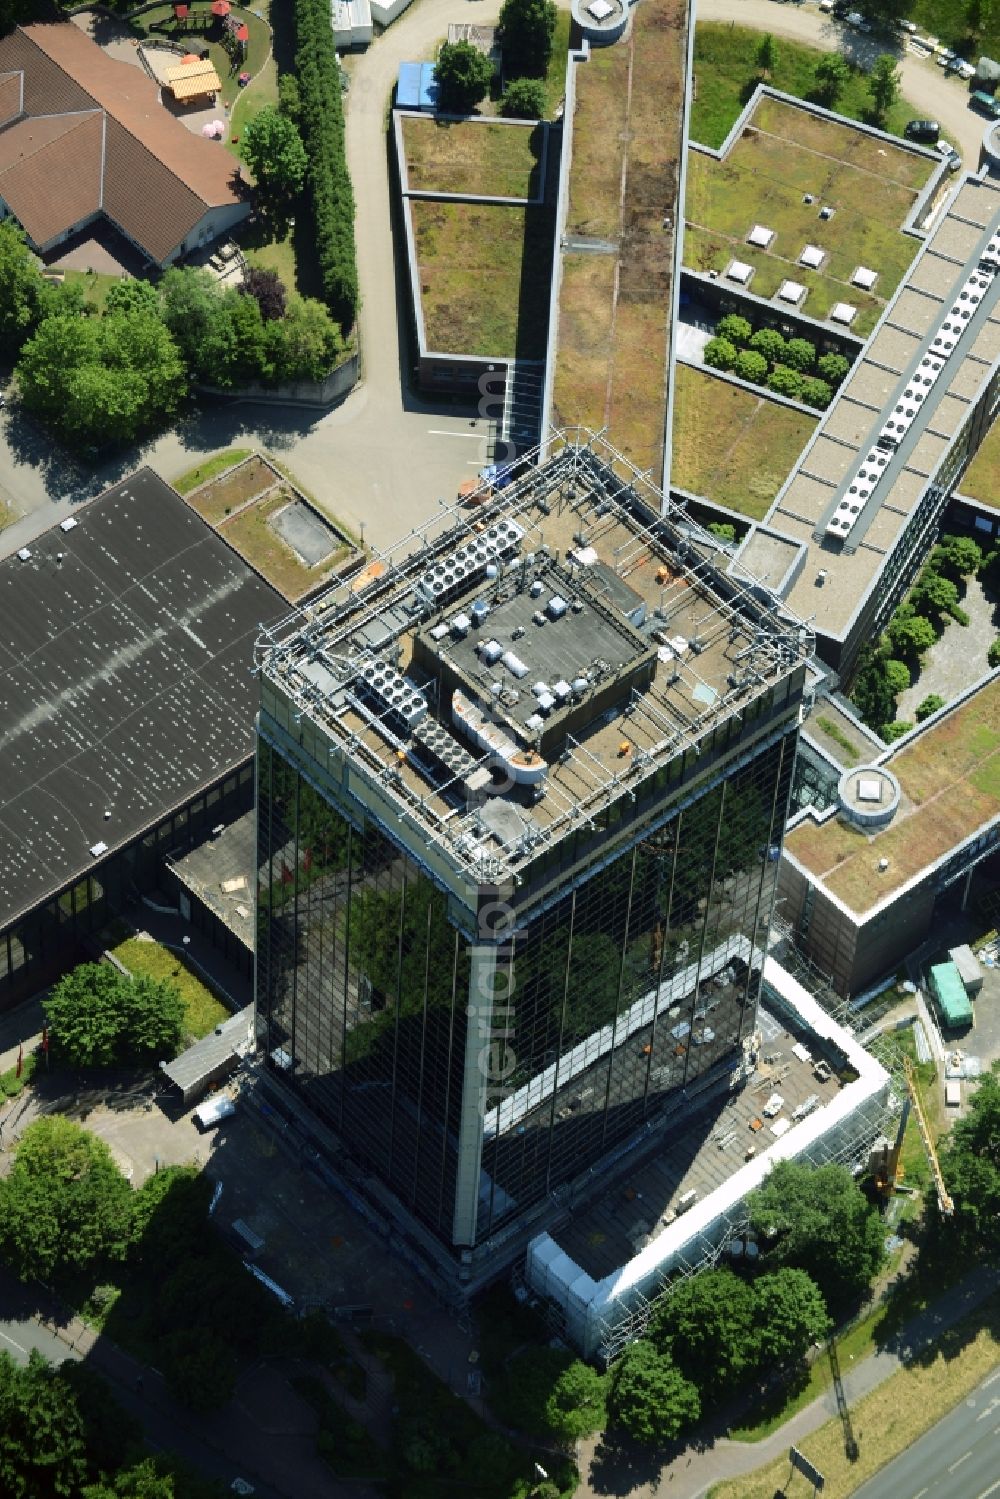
x: 769, y: 342
x: 993, y: 654
x: 524, y: 99
x: 930, y: 705
x: 751, y: 366
x: 321, y: 124
x: 833, y: 367
x: 800, y: 354
x: 909, y: 633
x: 897, y: 674
x: 816, y: 392
x: 463, y: 76
x: 890, y: 732
x: 734, y: 327
x: 785, y: 382
x: 720, y: 354
x: 723, y: 530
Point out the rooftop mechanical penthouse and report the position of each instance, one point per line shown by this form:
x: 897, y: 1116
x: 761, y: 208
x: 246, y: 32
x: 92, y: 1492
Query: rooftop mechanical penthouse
x: 521, y: 791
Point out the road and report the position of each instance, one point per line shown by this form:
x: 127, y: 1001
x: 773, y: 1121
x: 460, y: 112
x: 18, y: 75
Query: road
x: 959, y: 1458
x: 931, y: 93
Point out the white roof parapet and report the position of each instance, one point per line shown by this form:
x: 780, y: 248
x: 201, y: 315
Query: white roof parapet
x: 563, y: 1279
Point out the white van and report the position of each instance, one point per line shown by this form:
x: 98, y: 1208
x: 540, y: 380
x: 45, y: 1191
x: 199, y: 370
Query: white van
x: 210, y: 1113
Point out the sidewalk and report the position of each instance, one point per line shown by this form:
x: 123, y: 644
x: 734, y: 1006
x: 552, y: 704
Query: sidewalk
x: 694, y: 1470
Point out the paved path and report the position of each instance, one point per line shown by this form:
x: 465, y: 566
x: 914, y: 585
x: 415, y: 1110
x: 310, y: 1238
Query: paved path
x: 930, y: 91
x: 693, y: 1471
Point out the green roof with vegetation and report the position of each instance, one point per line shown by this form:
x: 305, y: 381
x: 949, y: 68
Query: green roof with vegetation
x: 493, y: 158
x: 786, y: 155
x: 949, y: 777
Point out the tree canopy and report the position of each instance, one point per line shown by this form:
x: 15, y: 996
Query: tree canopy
x: 549, y: 1393
x: 650, y: 1397
x: 99, y: 1017
x: 817, y: 1219
x: 64, y: 1202
x: 791, y: 1315
x: 42, y: 1447
x: 971, y: 1164
x: 524, y: 99
x: 707, y: 1325
x: 21, y: 287
x: 883, y: 86
x: 463, y: 75
x: 272, y: 148
x: 525, y: 32
x: 830, y: 75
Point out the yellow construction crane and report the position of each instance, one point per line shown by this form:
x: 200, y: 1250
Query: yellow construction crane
x: 943, y: 1199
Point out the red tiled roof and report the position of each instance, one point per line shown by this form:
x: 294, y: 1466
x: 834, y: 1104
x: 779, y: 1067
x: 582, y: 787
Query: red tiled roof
x: 158, y: 178
x: 50, y: 171
x: 10, y: 96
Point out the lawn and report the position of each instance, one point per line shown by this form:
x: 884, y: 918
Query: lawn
x: 484, y: 281
x: 890, y: 1419
x: 202, y: 30
x: 6, y: 514
x: 251, y: 534
x: 614, y: 312
x: 494, y: 159
x: 981, y: 479
x: 730, y: 445
x: 208, y: 469
x: 783, y: 157
x: 202, y: 1011
x: 95, y: 285
x: 950, y: 778
x: 725, y: 72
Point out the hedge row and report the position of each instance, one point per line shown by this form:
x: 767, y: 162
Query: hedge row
x: 321, y: 123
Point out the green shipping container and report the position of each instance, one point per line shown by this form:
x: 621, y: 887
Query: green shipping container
x: 949, y: 992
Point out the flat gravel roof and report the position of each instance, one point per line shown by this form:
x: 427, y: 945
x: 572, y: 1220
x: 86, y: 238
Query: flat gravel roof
x: 125, y: 654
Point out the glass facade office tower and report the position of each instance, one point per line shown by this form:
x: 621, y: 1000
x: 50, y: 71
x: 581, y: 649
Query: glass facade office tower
x: 502, y: 940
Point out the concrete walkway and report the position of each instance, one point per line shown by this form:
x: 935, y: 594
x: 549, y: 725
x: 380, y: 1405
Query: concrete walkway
x: 711, y: 1458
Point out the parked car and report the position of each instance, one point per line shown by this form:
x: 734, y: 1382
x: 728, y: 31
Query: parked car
x: 908, y: 26
x: 210, y: 1113
x: 959, y: 66
x: 985, y: 103
x: 951, y: 156
x: 922, y: 130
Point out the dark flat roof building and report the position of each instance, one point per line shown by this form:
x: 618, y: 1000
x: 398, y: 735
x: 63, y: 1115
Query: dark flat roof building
x: 126, y: 639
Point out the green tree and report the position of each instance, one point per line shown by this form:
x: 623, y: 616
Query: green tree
x: 735, y: 328
x: 751, y: 366
x: 463, y: 76
x: 98, y: 1017
x: 769, y: 342
x: 524, y: 99
x: 525, y: 31
x: 268, y: 291
x: 233, y: 352
x: 959, y: 555
x: 272, y: 148
x: 930, y: 704
x: 800, y: 354
x: 42, y: 1450
x: 550, y: 1393
x: 104, y: 380
x: 766, y: 56
x: 993, y: 654
x: 970, y: 1162
x: 132, y: 296
x: 870, y: 690
x: 188, y: 298
x: 833, y: 367
x: 934, y: 594
x: 289, y: 98
x: 978, y: 16
x: 909, y: 633
x: 112, y: 1437
x: 897, y: 674
x: 305, y: 344
x: 64, y: 1202
x: 785, y: 382
x: 21, y: 288
x: 720, y: 354
x: 144, y: 1481
x: 816, y: 392
x: 707, y: 1325
x: 890, y: 732
x: 791, y: 1315
x: 650, y: 1398
x: 830, y: 77
x: 883, y: 86
x: 817, y: 1219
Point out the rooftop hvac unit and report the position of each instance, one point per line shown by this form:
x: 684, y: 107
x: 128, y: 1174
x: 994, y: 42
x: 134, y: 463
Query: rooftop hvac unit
x: 514, y: 664
x: 536, y: 588
x: 546, y: 702
x: 556, y: 606
x: 491, y: 652
x: 562, y: 690
x: 460, y: 625
x: 540, y: 689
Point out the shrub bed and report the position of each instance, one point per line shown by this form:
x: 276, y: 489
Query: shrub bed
x: 789, y: 367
